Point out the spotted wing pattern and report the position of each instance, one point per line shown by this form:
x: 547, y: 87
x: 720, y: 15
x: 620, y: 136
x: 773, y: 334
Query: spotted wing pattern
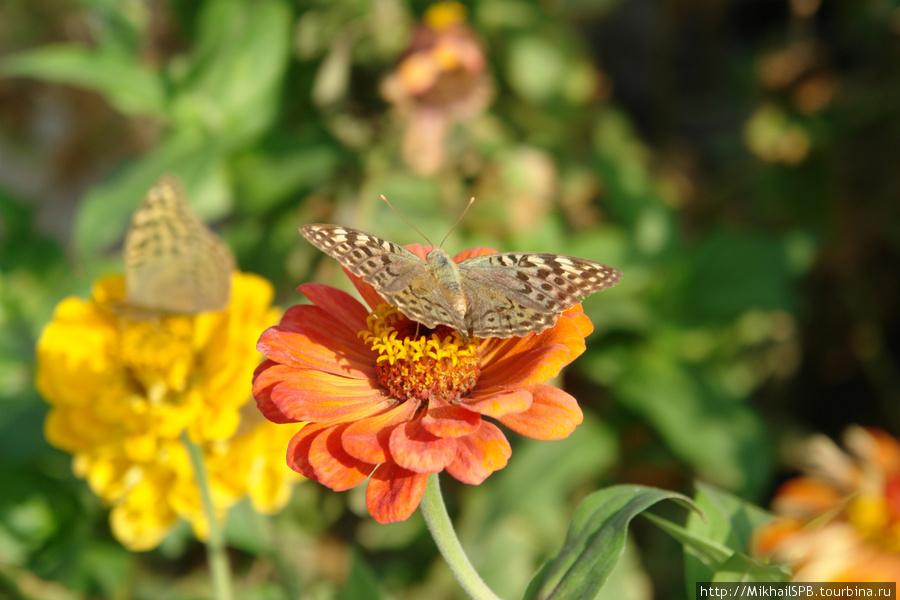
x: 506, y: 295
x: 514, y: 293
x: 173, y: 262
x: 402, y: 278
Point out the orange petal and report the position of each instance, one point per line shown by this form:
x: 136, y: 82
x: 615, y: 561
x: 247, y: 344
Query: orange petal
x: 480, y: 454
x: 420, y: 250
x: 298, y: 450
x: 553, y: 415
x: 368, y: 439
x: 262, y: 388
x: 806, y: 497
x: 478, y: 251
x: 308, y: 337
x: 282, y: 396
x: 769, y: 536
x: 346, y: 310
x: 581, y: 320
x: 532, y: 359
x: 497, y: 403
x: 332, y: 466
x: 568, y: 330
x: 446, y: 421
x: 368, y: 293
x: 311, y: 395
x: 394, y: 493
x: 414, y: 448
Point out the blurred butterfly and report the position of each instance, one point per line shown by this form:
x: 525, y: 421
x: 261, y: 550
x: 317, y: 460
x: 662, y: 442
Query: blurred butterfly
x: 173, y: 262
x: 496, y: 295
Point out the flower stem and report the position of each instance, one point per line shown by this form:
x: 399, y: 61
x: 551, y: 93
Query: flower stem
x: 441, y: 529
x: 219, y: 569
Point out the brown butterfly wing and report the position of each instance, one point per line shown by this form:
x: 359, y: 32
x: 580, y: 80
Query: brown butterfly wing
x: 173, y: 262
x: 402, y: 278
x: 515, y: 293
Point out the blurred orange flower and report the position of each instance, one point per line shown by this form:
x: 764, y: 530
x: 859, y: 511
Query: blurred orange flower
x: 842, y: 521
x: 379, y: 400
x: 441, y: 78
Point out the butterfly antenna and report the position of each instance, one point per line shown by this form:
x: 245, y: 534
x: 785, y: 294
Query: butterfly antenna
x: 416, y: 229
x: 471, y: 201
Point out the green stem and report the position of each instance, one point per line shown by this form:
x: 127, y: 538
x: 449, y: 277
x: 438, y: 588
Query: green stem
x: 219, y: 569
x: 441, y: 529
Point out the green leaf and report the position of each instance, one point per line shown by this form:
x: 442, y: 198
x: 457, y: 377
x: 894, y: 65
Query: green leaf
x: 724, y: 440
x: 730, y: 521
x: 595, y: 542
x: 507, y: 531
x: 106, y: 209
x: 267, y: 176
x: 742, y: 568
x: 535, y: 68
x: 233, y: 81
x: 709, y: 551
x: 361, y: 583
x: 127, y: 85
x: 628, y: 580
x: 723, y: 563
x: 736, y: 271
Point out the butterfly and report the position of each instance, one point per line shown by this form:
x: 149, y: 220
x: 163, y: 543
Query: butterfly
x: 495, y: 295
x: 173, y: 262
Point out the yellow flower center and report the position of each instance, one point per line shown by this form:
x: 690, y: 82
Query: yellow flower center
x: 876, y: 516
x: 420, y: 367
x: 445, y: 14
x: 158, y: 354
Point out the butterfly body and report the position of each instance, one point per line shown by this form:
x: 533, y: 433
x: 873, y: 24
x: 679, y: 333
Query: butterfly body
x: 494, y: 295
x: 449, y: 280
x: 173, y: 263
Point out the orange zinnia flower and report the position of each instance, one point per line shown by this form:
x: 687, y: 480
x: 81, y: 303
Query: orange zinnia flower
x: 379, y: 400
x: 442, y: 78
x: 841, y: 522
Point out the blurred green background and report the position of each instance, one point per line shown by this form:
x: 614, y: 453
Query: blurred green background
x: 734, y: 158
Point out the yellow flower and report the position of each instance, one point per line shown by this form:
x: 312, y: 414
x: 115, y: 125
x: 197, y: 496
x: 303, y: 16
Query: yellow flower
x: 123, y: 390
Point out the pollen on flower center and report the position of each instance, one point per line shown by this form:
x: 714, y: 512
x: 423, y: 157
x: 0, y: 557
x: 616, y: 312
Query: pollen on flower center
x: 419, y: 367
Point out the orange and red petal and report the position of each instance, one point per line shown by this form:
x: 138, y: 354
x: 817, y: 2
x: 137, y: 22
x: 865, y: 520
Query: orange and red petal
x: 316, y: 346
x: 369, y: 439
x: 497, y: 403
x: 480, y: 454
x: 580, y: 320
x: 394, y: 493
x: 553, y: 415
x: 346, y: 310
x: 807, y: 497
x: 470, y: 253
x: 368, y: 293
x: 308, y: 336
x: 316, y: 453
x: 767, y: 538
x: 415, y: 449
x: 317, y: 396
x: 448, y: 421
x: 262, y: 387
x: 533, y: 359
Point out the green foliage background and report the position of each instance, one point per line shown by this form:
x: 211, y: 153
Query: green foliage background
x: 760, y: 297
